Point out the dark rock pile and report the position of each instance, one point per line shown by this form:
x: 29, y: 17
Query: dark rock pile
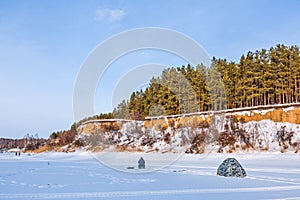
x: 231, y: 168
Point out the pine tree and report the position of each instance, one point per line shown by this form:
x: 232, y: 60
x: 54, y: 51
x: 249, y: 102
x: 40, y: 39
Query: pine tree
x: 216, y: 86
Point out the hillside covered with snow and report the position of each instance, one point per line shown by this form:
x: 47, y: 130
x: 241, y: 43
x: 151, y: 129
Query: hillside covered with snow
x: 274, y: 128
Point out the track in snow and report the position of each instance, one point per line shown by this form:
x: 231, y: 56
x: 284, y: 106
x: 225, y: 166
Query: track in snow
x: 86, y: 195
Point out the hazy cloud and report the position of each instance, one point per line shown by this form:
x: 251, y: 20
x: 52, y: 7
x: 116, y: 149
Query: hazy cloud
x: 109, y: 14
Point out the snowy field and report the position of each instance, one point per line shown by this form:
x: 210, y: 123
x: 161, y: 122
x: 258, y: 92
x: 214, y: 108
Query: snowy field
x: 80, y: 175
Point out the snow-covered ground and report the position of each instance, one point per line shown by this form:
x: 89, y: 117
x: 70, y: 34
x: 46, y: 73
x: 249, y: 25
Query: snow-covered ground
x: 80, y: 175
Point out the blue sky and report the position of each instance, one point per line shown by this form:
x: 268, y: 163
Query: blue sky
x: 44, y: 43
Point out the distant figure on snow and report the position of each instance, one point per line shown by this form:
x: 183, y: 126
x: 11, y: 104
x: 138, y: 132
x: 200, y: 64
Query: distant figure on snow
x: 141, y: 163
x: 19, y: 153
x: 16, y: 153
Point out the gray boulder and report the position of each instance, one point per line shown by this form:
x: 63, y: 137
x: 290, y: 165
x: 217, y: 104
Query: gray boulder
x: 231, y: 168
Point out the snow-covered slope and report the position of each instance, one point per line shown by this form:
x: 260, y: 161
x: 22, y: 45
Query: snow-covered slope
x: 268, y: 129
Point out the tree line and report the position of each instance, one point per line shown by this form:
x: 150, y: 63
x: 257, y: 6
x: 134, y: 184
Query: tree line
x: 28, y: 142
x: 263, y: 77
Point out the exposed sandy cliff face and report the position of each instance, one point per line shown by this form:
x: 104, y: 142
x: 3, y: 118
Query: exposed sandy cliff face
x: 273, y: 128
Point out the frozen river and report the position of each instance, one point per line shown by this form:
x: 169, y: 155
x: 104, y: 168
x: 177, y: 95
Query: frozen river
x: 80, y: 175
